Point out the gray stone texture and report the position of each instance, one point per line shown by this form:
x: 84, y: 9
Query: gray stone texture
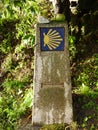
x: 52, y: 83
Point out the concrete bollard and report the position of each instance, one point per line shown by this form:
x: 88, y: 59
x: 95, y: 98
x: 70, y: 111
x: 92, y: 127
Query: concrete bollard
x: 52, y: 83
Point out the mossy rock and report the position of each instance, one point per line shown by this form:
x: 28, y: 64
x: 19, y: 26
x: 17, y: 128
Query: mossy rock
x: 55, y: 127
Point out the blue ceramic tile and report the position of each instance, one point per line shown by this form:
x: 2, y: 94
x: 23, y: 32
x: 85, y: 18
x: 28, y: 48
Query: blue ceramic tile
x: 52, y: 39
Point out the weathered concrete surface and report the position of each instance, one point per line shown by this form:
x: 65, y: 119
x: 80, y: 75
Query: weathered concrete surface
x: 52, y: 83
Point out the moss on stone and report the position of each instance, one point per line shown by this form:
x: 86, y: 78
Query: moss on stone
x: 54, y: 127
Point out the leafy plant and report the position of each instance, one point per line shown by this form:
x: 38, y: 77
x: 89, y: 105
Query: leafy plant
x: 17, y: 38
x: 87, y: 77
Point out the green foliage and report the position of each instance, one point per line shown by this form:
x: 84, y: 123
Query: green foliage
x: 16, y: 23
x: 87, y: 77
x: 13, y: 102
x: 72, y: 47
x: 83, y: 30
x: 45, y: 9
x: 54, y: 127
x: 17, y: 38
x: 7, y: 34
x: 72, y: 126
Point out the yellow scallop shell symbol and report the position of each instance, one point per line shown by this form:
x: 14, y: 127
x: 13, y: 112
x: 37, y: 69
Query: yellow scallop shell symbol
x: 52, y: 39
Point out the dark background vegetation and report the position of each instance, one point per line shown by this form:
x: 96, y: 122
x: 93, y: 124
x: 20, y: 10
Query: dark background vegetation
x: 17, y: 39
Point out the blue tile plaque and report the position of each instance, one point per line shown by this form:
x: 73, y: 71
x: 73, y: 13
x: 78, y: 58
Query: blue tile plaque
x: 52, y: 38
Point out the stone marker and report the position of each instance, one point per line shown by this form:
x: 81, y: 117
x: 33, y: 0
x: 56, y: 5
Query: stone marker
x: 52, y: 83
